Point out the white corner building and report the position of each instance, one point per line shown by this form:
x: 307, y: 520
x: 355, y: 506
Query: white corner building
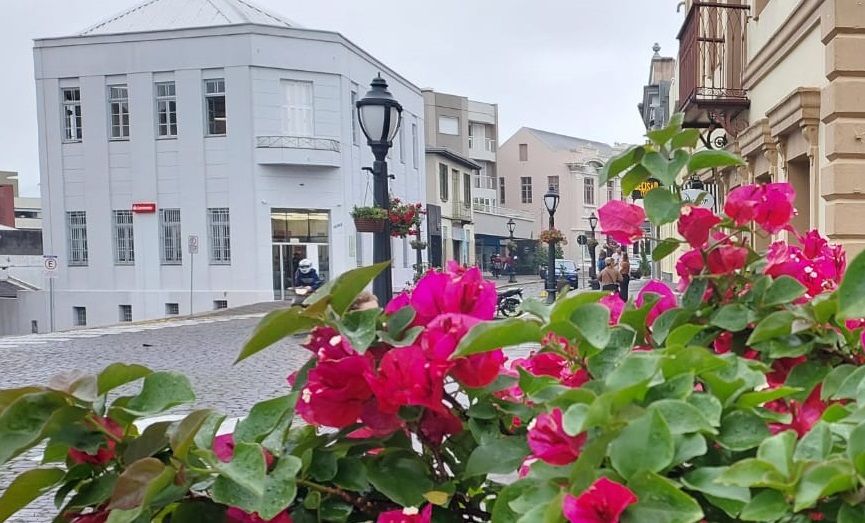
x: 213, y: 119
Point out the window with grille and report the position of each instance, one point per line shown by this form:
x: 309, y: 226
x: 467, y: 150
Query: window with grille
x: 214, y: 101
x: 118, y: 108
x: 76, y: 229
x: 166, y: 110
x: 443, y: 182
x: 414, y: 145
x: 172, y: 309
x: 169, y: 237
x: 219, y: 234
x: 589, y: 190
x: 553, y: 183
x: 124, y: 247
x: 501, y: 190
x: 79, y: 316
x: 526, y: 189
x: 126, y: 313
x: 355, y: 137
x: 72, y: 114
x: 220, y: 304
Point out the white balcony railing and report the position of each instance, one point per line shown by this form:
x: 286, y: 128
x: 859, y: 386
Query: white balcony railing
x: 502, y: 211
x: 297, y: 142
x: 482, y: 143
x: 486, y: 182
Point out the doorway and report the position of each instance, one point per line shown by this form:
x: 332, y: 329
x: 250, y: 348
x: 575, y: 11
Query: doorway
x: 298, y: 234
x: 286, y: 257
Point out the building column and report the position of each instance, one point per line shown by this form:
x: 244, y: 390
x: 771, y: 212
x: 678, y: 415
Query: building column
x: 843, y: 113
x: 811, y: 134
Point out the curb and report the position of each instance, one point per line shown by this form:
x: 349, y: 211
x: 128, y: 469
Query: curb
x: 518, y: 284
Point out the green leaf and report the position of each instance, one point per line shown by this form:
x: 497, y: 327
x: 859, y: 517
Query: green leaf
x: 95, y: 492
x: 662, y: 206
x: 593, y: 323
x: 753, y: 399
x: 824, y: 479
x: 274, y: 327
x: 688, y: 447
x: 619, y: 163
x: 856, y: 448
x: 182, y: 434
x: 666, y: 170
x: 360, y: 328
x: 848, y: 514
x: 851, y: 292
x: 280, y: 488
x: 693, y: 297
x: 28, y: 486
x: 498, y: 456
x: 703, y: 480
x: 264, y: 417
x: 628, y: 451
x: 621, y: 341
x: 22, y: 422
x: 832, y: 382
x: 660, y: 501
x: 734, y: 317
x: 160, y: 391
x: 752, y: 472
x: 667, y: 321
x: 768, y: 505
x: 400, y: 320
x: 633, y: 178
x: 401, y: 476
x: 784, y: 290
x: 680, y: 360
x: 713, y: 158
x: 491, y: 335
x: 246, y: 468
x: 573, y: 418
x: 682, y: 417
x: 709, y: 406
x: 815, y: 445
x: 665, y: 248
x: 775, y: 325
x: 778, y: 450
x: 118, y: 374
x: 75, y: 383
x: 198, y: 511
x: 661, y: 136
x: 849, y: 387
x: 139, y: 483
x: 688, y: 139
x: 638, y: 367
x: 153, y: 440
x: 351, y: 475
x: 538, y: 308
x: 565, y: 307
x: 682, y: 334
x: 742, y: 430
x: 323, y: 465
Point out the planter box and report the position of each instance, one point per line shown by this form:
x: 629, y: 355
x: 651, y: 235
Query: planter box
x: 369, y: 224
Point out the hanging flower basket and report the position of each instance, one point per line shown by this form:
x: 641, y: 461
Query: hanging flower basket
x: 418, y: 245
x: 369, y: 219
x: 553, y: 235
x: 405, y: 218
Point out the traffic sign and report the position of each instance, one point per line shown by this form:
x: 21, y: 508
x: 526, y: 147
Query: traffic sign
x: 582, y: 240
x: 49, y: 265
x: 193, y: 244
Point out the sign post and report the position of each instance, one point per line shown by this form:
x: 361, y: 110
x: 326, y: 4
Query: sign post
x: 192, y: 243
x: 49, y: 268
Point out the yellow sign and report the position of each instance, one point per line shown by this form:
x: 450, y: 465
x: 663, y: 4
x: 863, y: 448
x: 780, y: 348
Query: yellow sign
x: 647, y: 186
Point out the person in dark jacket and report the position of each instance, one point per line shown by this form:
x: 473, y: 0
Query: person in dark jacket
x: 306, y: 275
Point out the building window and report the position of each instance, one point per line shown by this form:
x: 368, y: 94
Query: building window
x: 402, y: 143
x: 526, y: 189
x: 76, y: 228
x: 414, y: 145
x: 589, y: 190
x: 118, y: 108
x: 72, y: 114
x: 355, y: 137
x: 166, y: 110
x: 443, y: 182
x: 298, y: 108
x: 467, y: 191
x: 220, y: 304
x: 449, y: 125
x: 405, y: 253
x: 358, y: 247
x: 214, y: 101
x: 172, y: 309
x: 79, y: 316
x: 553, y: 183
x: 169, y: 237
x: 219, y: 236
x: 124, y: 247
x: 126, y: 313
x: 524, y: 152
x: 501, y: 190
x: 610, y: 189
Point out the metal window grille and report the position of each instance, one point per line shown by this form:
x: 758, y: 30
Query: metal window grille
x: 219, y: 231
x: 124, y: 247
x: 220, y: 304
x: 414, y: 145
x: 553, y: 183
x: 79, y: 316
x: 526, y: 188
x: 169, y: 237
x: 126, y: 313
x: 214, y: 99
x: 76, y: 228
x: 501, y: 190
x: 118, y: 108
x: 72, y: 114
x: 172, y: 309
x: 166, y: 110
x: 589, y: 190
x: 355, y: 138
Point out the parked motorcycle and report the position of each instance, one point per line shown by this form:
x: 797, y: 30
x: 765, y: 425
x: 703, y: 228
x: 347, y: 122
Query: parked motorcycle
x: 509, y: 302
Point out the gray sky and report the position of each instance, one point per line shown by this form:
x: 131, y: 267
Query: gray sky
x: 575, y: 67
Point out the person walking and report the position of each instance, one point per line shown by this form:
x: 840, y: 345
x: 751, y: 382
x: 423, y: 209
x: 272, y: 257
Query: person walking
x: 625, y: 271
x: 610, y: 276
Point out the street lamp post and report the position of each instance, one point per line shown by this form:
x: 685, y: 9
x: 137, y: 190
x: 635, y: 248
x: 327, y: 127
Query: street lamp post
x: 512, y: 277
x: 380, y: 116
x: 551, y: 202
x: 593, y: 244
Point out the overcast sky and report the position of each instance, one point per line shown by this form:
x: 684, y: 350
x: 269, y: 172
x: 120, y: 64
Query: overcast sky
x: 574, y: 67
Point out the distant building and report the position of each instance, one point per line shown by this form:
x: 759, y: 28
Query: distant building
x: 220, y: 123
x: 655, y: 106
x: 16, y: 211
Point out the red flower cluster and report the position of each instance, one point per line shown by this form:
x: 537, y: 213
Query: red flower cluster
x: 553, y: 235
x: 106, y: 451
x: 816, y: 264
x: 603, y: 502
x: 404, y: 218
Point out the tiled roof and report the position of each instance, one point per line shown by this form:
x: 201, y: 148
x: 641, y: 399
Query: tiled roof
x: 160, y: 15
x: 569, y: 143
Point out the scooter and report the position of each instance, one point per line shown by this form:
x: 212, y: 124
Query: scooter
x: 509, y: 302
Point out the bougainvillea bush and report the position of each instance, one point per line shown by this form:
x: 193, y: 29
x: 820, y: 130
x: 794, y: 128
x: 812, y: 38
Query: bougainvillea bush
x: 735, y: 399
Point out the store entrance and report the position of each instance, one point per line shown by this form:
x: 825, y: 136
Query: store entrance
x: 298, y: 234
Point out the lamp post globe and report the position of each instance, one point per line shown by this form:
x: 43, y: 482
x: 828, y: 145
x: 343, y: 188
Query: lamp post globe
x: 593, y: 222
x: 512, y: 226
x: 551, y: 202
x: 380, y: 116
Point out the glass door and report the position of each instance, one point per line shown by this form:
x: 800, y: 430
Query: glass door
x: 285, y: 260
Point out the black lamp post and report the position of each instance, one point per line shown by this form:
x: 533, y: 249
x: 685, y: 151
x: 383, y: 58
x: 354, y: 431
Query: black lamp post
x: 380, y: 115
x: 593, y: 244
x: 512, y: 277
x: 551, y: 202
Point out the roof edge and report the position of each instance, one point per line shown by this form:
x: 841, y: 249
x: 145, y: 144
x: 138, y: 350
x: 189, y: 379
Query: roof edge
x: 454, y: 156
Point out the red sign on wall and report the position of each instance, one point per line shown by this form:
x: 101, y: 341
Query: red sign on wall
x: 143, y: 207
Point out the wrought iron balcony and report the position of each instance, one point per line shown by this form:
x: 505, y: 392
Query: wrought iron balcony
x: 298, y: 142
x: 297, y: 150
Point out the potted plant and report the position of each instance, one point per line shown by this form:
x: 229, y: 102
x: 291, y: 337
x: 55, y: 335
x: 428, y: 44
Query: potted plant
x: 418, y: 244
x: 553, y: 235
x: 369, y: 219
x: 404, y: 218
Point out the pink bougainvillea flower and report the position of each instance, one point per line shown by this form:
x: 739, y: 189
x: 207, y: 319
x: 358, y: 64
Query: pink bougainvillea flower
x: 603, y: 502
x: 526, y: 466
x: 805, y: 414
x: 223, y: 447
x: 622, y: 221
x: 723, y: 343
x: 406, y: 376
x: 770, y: 205
x: 818, y: 265
x: 615, y: 304
x: 725, y: 259
x: 548, y: 441
x: 666, y: 299
x: 93, y: 517
x: 435, y: 426
x: 556, y: 366
x: 327, y: 344
x: 236, y: 515
x: 781, y: 369
x: 106, y: 450
x: 406, y: 515
x: 695, y: 223
x: 689, y: 265
x: 478, y: 370
x: 441, y: 337
x: 336, y: 392
x: 741, y: 203
x: 457, y: 290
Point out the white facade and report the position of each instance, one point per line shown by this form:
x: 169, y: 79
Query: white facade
x: 291, y: 151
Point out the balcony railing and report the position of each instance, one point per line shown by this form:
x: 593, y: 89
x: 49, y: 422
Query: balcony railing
x: 461, y: 212
x: 502, y: 211
x: 486, y: 182
x: 483, y: 143
x: 712, y: 55
x: 297, y: 142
